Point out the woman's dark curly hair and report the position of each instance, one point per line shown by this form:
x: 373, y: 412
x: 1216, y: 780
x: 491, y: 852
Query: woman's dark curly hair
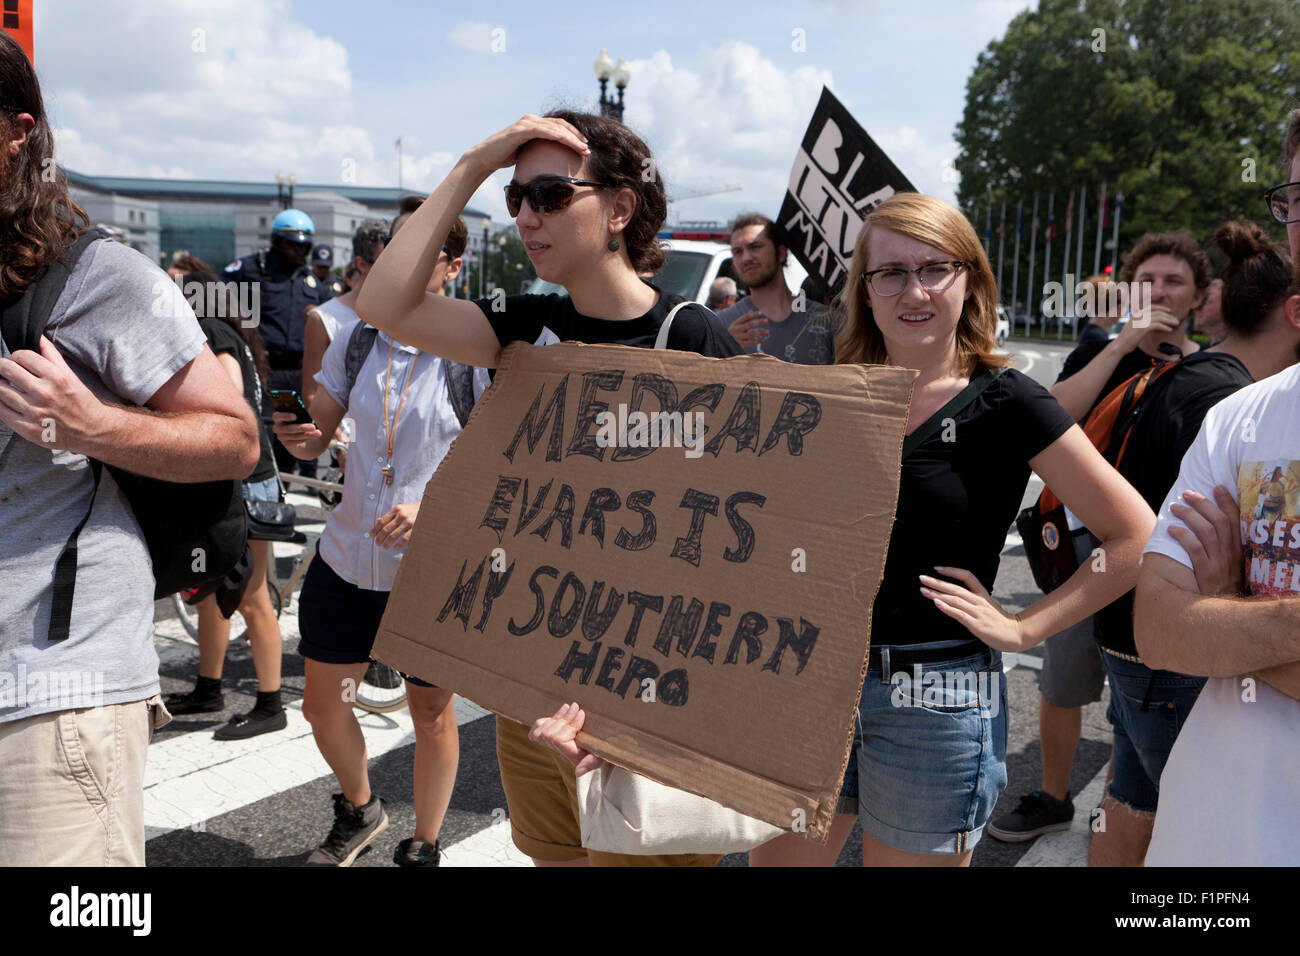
x: 619, y: 157
x: 38, y: 219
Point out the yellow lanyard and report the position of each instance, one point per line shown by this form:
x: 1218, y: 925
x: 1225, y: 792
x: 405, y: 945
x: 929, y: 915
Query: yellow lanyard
x: 390, y: 435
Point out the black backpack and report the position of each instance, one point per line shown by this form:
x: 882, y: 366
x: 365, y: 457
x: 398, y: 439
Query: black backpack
x: 194, y: 531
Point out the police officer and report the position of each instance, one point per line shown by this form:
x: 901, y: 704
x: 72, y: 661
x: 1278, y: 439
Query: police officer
x: 288, y: 288
x: 322, y: 260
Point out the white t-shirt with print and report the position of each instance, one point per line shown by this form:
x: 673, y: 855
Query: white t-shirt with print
x: 1230, y: 793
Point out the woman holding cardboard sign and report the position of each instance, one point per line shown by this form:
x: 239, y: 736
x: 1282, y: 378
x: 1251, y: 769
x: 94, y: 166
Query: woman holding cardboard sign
x: 929, y: 757
x: 588, y: 214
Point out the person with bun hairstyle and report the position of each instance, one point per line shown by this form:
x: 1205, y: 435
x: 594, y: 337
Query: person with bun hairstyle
x: 588, y: 217
x: 929, y: 753
x: 1148, y: 705
x: 1209, y: 602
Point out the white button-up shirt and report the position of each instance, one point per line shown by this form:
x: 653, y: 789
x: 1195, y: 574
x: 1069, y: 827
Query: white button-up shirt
x: 424, y: 431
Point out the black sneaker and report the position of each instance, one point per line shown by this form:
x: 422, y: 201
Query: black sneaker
x: 193, y: 702
x: 243, y: 726
x: 411, y: 852
x: 354, y: 829
x: 1036, y: 814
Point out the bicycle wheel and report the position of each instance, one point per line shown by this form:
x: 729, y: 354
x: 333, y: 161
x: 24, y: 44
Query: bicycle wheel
x: 381, y: 690
x: 189, y: 616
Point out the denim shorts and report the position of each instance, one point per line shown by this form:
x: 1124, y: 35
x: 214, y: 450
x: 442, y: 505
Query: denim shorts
x: 930, y: 753
x: 268, y: 490
x: 339, y: 621
x: 1147, y: 709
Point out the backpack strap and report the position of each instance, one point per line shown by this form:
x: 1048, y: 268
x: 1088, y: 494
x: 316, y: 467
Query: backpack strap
x: 963, y: 398
x: 22, y: 323
x: 360, y: 342
x: 24, y: 317
x: 661, y: 341
x: 65, y: 570
x: 460, y: 387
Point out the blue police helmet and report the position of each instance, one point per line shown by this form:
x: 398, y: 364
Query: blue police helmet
x: 294, y: 225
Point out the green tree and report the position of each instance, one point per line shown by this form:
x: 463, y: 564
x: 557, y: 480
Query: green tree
x: 508, y: 264
x: 1179, y: 106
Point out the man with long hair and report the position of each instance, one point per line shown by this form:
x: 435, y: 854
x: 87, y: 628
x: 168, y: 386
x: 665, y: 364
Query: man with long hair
x: 76, y: 709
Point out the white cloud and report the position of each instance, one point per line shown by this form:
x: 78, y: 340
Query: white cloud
x: 478, y: 36
x: 190, y: 94
x: 736, y: 121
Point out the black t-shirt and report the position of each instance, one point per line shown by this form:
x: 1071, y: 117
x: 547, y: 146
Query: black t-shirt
x: 1166, y: 427
x: 956, y: 500
x: 1091, y: 343
x: 222, y: 338
x: 692, y: 330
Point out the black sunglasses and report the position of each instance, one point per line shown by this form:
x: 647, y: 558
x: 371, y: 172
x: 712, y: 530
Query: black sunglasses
x: 544, y: 194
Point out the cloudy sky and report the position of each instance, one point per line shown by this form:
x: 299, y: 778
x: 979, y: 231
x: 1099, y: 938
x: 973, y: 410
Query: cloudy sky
x: 721, y: 91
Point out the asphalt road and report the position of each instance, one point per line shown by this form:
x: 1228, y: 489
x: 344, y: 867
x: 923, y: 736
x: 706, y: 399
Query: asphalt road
x: 266, y: 802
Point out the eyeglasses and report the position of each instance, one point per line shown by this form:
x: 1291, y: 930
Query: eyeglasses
x: 933, y: 276
x: 546, y: 194
x: 1284, y: 202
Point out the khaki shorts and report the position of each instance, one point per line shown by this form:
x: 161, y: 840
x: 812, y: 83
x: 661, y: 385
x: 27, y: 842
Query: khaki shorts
x: 542, y: 793
x: 72, y: 786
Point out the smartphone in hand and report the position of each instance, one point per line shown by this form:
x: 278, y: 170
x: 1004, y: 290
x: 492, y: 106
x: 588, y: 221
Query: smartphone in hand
x: 287, y: 400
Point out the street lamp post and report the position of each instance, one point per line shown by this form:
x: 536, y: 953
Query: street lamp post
x: 284, y: 189
x: 606, y: 70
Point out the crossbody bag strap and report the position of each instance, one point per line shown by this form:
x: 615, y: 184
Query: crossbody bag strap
x: 950, y: 410
x: 661, y: 341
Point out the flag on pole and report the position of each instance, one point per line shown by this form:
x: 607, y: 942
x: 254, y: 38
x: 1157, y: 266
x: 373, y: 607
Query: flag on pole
x: 398, y: 143
x: 1069, y: 213
x: 1051, y: 225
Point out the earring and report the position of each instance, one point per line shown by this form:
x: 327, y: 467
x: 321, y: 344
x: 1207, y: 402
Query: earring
x: 612, y: 246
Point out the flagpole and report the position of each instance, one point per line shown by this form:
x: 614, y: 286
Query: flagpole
x: 1002, y: 229
x: 1030, y: 307
x: 1051, y: 234
x: 1114, y: 237
x: 988, y: 225
x: 1065, y: 264
x: 1101, y: 225
x: 1015, y: 263
x: 1078, y: 254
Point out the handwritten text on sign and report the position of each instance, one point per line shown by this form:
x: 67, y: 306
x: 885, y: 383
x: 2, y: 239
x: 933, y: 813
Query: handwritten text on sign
x: 673, y: 624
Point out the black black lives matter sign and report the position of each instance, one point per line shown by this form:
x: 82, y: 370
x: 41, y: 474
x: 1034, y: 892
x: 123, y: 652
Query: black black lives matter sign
x: 839, y: 176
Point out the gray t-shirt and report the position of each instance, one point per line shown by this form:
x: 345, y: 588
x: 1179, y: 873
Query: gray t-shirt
x: 124, y: 329
x: 805, y: 338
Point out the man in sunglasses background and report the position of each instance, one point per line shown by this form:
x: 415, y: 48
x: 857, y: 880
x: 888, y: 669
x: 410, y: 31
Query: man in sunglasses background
x: 770, y: 319
x: 287, y: 289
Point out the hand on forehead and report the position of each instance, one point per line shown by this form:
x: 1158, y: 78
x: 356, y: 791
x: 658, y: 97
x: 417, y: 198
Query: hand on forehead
x: 544, y: 157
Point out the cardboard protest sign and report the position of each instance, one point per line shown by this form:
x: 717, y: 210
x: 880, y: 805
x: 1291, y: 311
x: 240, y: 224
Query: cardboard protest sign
x: 18, y: 21
x: 687, y: 546
x: 839, y: 176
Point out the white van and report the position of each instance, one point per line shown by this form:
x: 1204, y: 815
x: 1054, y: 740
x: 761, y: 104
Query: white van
x: 694, y: 260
